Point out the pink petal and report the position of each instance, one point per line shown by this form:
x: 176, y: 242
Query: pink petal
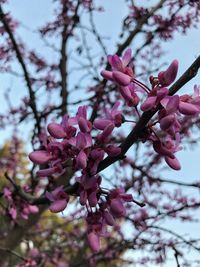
x: 50, y: 196
x: 116, y: 63
x: 80, y: 140
x: 93, y: 241
x: 107, y: 75
x: 162, y: 92
x: 108, y: 218
x: 171, y: 72
x: 56, y: 130
x: 33, y: 209
x: 172, y: 104
x: 83, y: 198
x: 82, y: 112
x: 121, y: 78
x: 39, y: 157
x: 113, y: 151
x: 84, y: 125
x: 97, y: 154
x: 58, y: 205
x: 126, y: 57
x: 101, y: 123
x: 167, y: 77
x: 81, y: 160
x: 173, y: 163
x: 92, y: 199
x: 127, y: 197
x: 126, y: 93
x: 105, y: 135
x: 187, y: 108
x: 149, y: 103
x: 162, y: 150
x: 117, y: 208
x: 46, y: 172
x: 166, y: 122
x: 13, y: 213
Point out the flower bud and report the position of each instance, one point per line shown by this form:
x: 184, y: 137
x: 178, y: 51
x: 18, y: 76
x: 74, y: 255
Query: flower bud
x: 121, y: 78
x: 39, y: 157
x: 56, y: 130
x: 93, y: 241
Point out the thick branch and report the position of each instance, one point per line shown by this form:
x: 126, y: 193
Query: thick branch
x: 63, y: 58
x: 63, y: 67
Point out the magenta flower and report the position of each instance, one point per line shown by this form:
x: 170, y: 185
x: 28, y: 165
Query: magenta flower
x: 40, y: 157
x: 167, y: 77
x: 129, y: 94
x: 85, y: 125
x: 59, y: 199
x: 105, y: 136
x: 7, y: 194
x: 121, y: 73
x: 168, y: 116
x: 13, y: 213
x: 27, y: 210
x: 154, y: 98
x: 117, y: 197
x: 93, y: 241
x: 112, y: 150
x: 190, y: 105
x: 109, y: 219
x: 167, y: 149
x: 95, y: 157
x: 56, y: 130
x: 111, y: 116
x: 88, y: 189
x: 67, y: 124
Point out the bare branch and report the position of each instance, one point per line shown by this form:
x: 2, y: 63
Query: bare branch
x: 24, y: 68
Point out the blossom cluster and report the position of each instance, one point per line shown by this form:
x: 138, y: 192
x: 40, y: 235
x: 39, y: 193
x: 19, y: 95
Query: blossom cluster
x: 72, y: 142
x: 17, y: 207
x: 171, y: 109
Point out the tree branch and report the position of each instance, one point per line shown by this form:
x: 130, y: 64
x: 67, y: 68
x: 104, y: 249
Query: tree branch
x: 19, y: 56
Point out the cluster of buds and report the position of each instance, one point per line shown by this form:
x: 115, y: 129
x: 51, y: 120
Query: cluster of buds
x: 72, y: 141
x: 111, y: 207
x: 17, y: 207
x: 171, y: 108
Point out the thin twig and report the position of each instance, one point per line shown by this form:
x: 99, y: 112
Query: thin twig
x: 19, y: 56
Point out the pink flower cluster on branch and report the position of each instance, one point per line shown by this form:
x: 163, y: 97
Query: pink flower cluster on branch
x: 171, y: 108
x: 72, y: 140
x: 17, y: 207
x: 85, y: 144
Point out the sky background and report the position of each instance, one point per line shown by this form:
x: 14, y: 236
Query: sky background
x: 184, y: 48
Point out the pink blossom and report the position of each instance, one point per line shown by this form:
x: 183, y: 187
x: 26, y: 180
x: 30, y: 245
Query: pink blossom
x: 56, y: 130
x: 154, y: 98
x: 93, y: 241
x: 111, y: 116
x: 121, y: 73
x: 59, y: 199
x: 40, y: 157
x: 190, y: 105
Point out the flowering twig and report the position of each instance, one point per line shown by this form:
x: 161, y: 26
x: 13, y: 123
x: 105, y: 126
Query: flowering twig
x: 139, y: 128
